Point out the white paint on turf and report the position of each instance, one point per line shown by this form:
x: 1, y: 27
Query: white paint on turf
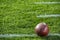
x: 53, y: 34
x: 46, y: 2
x: 24, y: 35
x: 17, y: 35
x: 45, y: 16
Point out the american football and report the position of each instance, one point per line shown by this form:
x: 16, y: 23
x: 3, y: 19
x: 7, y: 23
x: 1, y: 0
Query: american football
x: 42, y: 29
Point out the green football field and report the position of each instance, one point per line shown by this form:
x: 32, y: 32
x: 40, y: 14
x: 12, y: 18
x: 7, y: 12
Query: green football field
x: 20, y: 17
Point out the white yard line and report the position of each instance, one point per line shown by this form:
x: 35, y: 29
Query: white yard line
x: 53, y: 34
x: 17, y: 35
x: 24, y: 35
x: 46, y: 2
x: 45, y: 16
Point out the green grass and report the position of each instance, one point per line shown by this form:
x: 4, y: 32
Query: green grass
x: 19, y: 17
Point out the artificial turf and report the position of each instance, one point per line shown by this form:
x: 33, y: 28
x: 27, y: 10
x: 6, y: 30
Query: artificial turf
x: 19, y: 17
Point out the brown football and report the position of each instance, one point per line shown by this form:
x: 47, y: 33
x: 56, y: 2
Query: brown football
x: 42, y: 29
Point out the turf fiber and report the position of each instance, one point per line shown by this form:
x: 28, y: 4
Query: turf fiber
x: 19, y: 17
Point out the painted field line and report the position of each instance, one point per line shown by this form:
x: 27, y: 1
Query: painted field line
x: 45, y: 16
x: 53, y: 34
x: 24, y: 35
x: 46, y: 2
x: 17, y: 35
